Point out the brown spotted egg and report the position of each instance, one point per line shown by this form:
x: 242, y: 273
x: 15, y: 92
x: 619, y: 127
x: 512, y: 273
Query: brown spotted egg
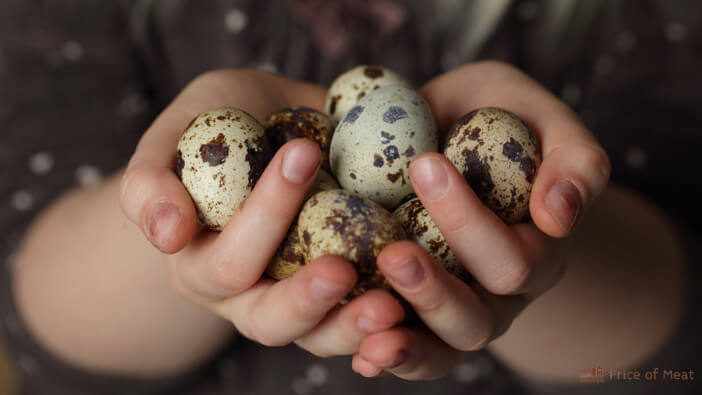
x: 289, y: 257
x: 291, y: 123
x: 348, y: 88
x: 498, y: 156
x: 420, y: 228
x: 337, y: 222
x: 220, y: 156
x: 374, y: 144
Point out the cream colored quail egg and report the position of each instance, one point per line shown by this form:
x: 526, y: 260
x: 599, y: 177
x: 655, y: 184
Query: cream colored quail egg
x: 420, y: 227
x: 498, y: 156
x: 337, y: 222
x: 220, y: 156
x: 374, y: 144
x: 348, y: 88
x: 290, y: 255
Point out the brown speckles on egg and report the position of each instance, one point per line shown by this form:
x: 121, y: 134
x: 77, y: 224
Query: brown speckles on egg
x: 378, y: 160
x: 393, y: 177
x: 215, y: 151
x: 499, y: 160
x: 409, y: 152
x: 391, y: 153
x: 291, y: 123
x: 332, y: 106
x: 385, y: 137
x: 373, y: 72
x: 351, y: 227
x: 179, y: 164
x: 215, y: 167
x: 419, y: 227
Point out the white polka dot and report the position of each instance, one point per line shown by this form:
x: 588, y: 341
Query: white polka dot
x: 529, y: 10
x: 571, y: 93
x: 236, y: 20
x: 625, y: 41
x: 88, y: 175
x: 22, y: 201
x: 636, y: 157
x: 72, y: 51
x: 301, y: 386
x: 317, y: 374
x: 675, y: 31
x: 604, y: 64
x: 41, y: 162
x: 12, y: 324
x: 268, y: 66
x: 132, y: 105
x: 467, y: 372
x: 27, y: 363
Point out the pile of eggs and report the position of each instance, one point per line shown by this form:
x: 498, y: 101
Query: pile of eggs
x: 362, y: 200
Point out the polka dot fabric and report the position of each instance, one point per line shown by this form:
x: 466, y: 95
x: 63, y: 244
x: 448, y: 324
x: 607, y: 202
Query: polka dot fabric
x: 81, y: 80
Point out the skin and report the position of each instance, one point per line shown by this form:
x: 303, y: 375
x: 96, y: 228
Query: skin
x: 183, y: 300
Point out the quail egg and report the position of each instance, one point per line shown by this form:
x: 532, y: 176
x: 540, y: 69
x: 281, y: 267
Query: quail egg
x: 220, y: 156
x: 291, y: 123
x: 290, y: 255
x: 420, y: 227
x: 337, y: 222
x: 351, y: 86
x: 498, y: 156
x: 373, y: 145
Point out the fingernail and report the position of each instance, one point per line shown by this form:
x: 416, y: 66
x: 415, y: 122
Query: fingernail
x: 563, y: 203
x: 407, y: 274
x: 367, y: 325
x: 399, y: 360
x: 163, y: 221
x: 297, y: 165
x: 325, y: 290
x: 429, y: 176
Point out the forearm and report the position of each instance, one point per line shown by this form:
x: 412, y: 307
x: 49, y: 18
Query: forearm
x: 618, y: 302
x: 94, y: 292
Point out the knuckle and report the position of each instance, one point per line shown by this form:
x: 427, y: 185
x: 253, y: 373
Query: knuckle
x: 263, y: 335
x: 221, y: 274
x: 513, y: 279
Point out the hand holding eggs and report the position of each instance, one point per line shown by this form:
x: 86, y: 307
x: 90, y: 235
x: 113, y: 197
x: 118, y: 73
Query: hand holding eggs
x: 383, y: 124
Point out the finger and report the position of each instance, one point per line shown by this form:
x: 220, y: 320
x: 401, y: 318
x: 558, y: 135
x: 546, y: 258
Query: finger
x: 230, y: 262
x: 575, y: 168
x: 151, y: 195
x: 480, y: 240
x: 342, y: 330
x: 411, y: 354
x: 364, y: 368
x: 277, y: 313
x: 442, y: 301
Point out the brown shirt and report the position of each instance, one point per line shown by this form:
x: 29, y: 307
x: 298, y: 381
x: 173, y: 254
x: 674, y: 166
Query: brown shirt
x: 80, y: 81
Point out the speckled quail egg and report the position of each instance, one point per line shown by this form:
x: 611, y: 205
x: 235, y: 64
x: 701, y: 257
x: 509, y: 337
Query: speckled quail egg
x: 220, y: 156
x: 290, y: 257
x: 498, y: 156
x: 374, y: 144
x: 337, y: 222
x: 420, y: 227
x: 291, y: 123
x: 348, y: 88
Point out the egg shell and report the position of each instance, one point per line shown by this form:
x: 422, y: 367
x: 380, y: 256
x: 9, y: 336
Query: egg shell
x: 338, y: 222
x: 420, y: 228
x: 220, y: 156
x: 349, y: 87
x: 498, y: 156
x: 372, y: 147
x: 301, y: 122
x: 290, y: 254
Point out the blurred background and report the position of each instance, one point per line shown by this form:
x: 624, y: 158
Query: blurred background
x: 80, y: 80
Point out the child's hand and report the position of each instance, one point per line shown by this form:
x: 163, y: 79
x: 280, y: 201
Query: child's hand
x: 511, y: 265
x: 222, y: 271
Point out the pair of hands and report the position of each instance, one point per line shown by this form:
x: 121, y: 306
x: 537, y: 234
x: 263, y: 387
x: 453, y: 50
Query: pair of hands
x: 511, y: 265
